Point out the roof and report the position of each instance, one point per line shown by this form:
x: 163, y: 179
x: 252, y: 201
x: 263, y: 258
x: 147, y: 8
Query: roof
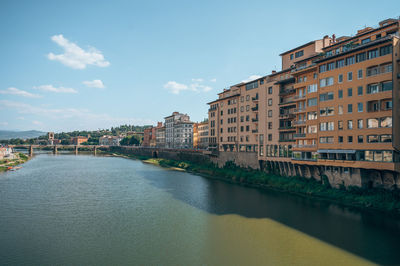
x: 298, y: 47
x: 359, y: 35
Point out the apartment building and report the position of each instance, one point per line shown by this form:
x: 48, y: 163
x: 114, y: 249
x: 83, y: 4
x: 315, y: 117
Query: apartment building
x: 160, y: 135
x: 178, y: 131
x: 110, y: 140
x: 333, y: 110
x: 200, y: 135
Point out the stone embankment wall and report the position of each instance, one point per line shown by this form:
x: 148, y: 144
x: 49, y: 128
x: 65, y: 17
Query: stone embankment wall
x: 336, y: 177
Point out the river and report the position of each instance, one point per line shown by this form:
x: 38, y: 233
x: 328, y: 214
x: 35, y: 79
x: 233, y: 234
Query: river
x: 85, y: 210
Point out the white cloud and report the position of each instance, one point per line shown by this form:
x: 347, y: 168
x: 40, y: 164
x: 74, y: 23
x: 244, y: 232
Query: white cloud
x: 21, y: 118
x: 198, y: 80
x: 175, y: 87
x: 213, y: 80
x: 19, y: 92
x: 97, y: 83
x: 51, y: 88
x: 38, y: 123
x: 76, y: 57
x: 252, y: 77
x: 4, y: 124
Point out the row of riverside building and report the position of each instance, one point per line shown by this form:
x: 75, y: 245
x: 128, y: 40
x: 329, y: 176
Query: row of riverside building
x: 333, y: 107
x: 177, y: 132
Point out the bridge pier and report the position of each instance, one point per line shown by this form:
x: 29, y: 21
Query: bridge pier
x: 76, y: 149
x: 94, y: 150
x: 55, y: 150
x: 30, y: 151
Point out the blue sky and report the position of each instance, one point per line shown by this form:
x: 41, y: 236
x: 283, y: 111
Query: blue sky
x: 68, y: 65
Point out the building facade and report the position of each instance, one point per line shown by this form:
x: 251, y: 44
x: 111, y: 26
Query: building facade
x: 178, y: 131
x: 110, y: 140
x: 332, y: 110
x: 200, y: 135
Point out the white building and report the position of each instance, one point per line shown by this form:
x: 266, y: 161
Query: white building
x: 178, y: 131
x: 110, y: 140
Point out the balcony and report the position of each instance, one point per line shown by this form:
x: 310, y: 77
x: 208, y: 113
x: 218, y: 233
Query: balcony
x: 304, y: 146
x: 254, y: 131
x: 286, y: 127
x: 286, y: 100
x: 286, y: 140
x: 287, y: 91
x: 254, y: 119
x: 299, y: 122
x: 299, y: 135
x: 254, y: 98
x: 299, y: 110
x: 299, y: 97
x: 255, y: 108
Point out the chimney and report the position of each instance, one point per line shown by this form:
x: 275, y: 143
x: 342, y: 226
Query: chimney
x: 323, y: 40
x: 273, y: 71
x: 333, y: 38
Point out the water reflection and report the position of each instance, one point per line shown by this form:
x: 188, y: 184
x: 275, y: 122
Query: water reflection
x: 374, y: 236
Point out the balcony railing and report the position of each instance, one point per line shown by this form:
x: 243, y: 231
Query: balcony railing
x: 254, y: 108
x: 299, y: 110
x: 254, y: 98
x: 297, y: 97
x: 254, y: 119
x: 254, y: 131
x: 299, y: 135
x: 286, y: 127
x: 287, y: 100
x: 304, y: 146
x: 287, y: 91
x: 299, y: 122
x: 286, y: 140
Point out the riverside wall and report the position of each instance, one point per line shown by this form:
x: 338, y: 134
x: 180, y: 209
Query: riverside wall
x: 328, y: 175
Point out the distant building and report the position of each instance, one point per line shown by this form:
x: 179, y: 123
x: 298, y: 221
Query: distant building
x: 200, y: 135
x: 178, y: 131
x: 78, y: 140
x: 160, y: 135
x: 110, y: 140
x: 149, y: 137
x: 6, y: 152
x: 51, y: 140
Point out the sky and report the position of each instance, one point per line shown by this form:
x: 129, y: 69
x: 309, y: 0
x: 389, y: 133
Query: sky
x: 88, y: 65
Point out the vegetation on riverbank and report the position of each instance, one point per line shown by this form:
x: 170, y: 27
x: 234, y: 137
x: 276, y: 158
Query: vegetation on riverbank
x: 7, y: 164
x: 378, y: 199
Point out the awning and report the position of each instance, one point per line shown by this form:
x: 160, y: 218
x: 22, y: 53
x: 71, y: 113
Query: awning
x: 336, y: 151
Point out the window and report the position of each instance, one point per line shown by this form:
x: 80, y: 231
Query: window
x: 247, y: 118
x: 326, y: 140
x: 340, y: 139
x: 241, y: 108
x: 360, y: 138
x: 350, y: 139
x: 291, y: 57
x: 372, y: 53
x: 340, y: 63
x: 349, y: 60
x: 326, y: 82
x: 372, y: 123
x: 360, y: 124
x: 330, y: 66
x: 372, y: 138
x: 242, y: 119
x: 247, y: 128
x: 299, y: 54
x: 261, y: 81
x: 385, y: 121
x: 385, y: 50
x: 340, y: 109
x: 340, y: 92
x: 312, y: 115
x: 270, y: 90
x: 359, y: 74
x: 349, y: 92
x: 349, y: 124
x: 326, y: 97
x: 361, y: 57
x: 360, y: 90
x: 372, y: 88
x: 387, y: 86
x: 247, y: 97
x: 360, y: 107
x: 242, y: 98
x: 367, y: 40
x: 312, y: 88
x: 340, y: 78
x: 252, y: 85
x: 269, y: 125
x: 312, y: 102
x: 389, y: 105
x: 340, y: 125
x: 315, y: 75
x: 269, y: 102
x: 349, y: 76
x: 350, y: 108
x: 270, y: 137
x: 386, y: 138
x: 222, y: 112
x: 322, y: 68
x: 269, y: 113
x: 326, y: 111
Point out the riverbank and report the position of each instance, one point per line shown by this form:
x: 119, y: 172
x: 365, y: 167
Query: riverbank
x: 9, y: 164
x: 374, y: 199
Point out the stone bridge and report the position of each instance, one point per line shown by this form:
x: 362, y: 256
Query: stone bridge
x: 55, y: 148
